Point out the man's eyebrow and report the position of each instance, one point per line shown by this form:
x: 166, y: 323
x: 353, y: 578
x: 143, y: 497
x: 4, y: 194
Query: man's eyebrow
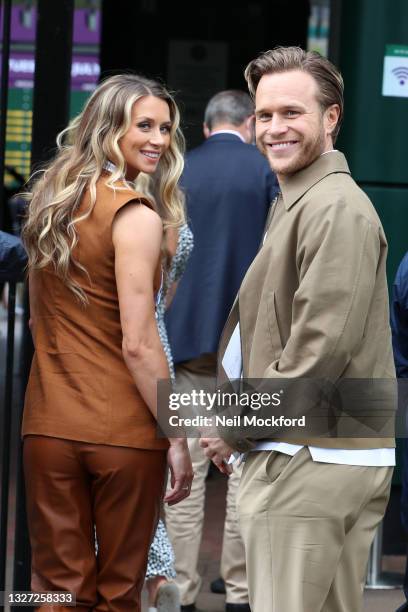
x: 293, y: 105
x: 284, y: 107
x: 259, y: 111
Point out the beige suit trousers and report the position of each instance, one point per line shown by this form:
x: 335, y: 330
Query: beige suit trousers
x: 307, y: 528
x: 184, y: 521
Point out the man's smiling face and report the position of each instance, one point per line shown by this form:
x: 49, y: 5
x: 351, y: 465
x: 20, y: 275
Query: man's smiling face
x: 291, y: 128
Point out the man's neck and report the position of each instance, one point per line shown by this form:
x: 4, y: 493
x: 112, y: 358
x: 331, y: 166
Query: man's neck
x: 282, y: 178
x: 227, y: 128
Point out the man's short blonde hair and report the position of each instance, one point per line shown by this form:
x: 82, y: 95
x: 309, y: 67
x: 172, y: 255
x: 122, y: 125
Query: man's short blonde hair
x: 329, y: 81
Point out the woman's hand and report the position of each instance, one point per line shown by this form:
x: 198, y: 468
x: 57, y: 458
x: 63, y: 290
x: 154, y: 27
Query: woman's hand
x: 181, y: 471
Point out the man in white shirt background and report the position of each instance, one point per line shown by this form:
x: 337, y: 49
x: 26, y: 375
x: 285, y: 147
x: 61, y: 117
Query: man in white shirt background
x: 229, y: 188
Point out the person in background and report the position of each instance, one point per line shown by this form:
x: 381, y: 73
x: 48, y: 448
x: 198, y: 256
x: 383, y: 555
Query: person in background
x: 162, y: 590
x: 229, y: 188
x: 13, y: 258
x: 91, y: 454
x: 399, y: 326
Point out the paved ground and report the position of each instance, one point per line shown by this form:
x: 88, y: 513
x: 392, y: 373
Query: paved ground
x: 374, y: 601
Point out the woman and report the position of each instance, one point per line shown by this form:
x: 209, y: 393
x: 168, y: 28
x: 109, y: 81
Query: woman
x: 91, y: 454
x: 163, y: 593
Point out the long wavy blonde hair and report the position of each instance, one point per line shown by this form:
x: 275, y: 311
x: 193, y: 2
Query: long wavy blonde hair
x: 84, y: 147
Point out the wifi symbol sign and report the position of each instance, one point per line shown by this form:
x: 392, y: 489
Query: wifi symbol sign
x: 402, y: 74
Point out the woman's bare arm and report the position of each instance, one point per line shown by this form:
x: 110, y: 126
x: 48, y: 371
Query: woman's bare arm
x: 137, y: 234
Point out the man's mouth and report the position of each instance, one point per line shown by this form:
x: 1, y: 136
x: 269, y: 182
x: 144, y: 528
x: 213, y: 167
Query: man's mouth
x: 276, y: 146
x: 151, y: 154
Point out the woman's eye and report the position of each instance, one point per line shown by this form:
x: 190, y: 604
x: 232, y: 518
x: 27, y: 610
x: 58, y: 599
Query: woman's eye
x: 144, y: 125
x: 165, y: 129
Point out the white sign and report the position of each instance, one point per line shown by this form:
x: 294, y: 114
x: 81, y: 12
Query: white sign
x: 395, y: 75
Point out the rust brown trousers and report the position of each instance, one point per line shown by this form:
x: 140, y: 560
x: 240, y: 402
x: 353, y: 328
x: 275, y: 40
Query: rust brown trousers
x: 72, y: 487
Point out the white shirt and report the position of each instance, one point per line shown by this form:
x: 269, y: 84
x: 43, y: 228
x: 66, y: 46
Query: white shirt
x: 375, y: 457
x: 228, y: 132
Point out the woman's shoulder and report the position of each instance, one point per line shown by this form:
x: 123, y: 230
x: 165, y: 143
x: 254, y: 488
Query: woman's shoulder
x: 119, y: 193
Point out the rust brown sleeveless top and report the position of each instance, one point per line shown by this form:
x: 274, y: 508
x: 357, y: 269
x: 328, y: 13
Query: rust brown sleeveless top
x: 79, y: 386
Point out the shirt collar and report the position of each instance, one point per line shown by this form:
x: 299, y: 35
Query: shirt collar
x: 109, y: 166
x: 295, y: 186
x: 234, y: 132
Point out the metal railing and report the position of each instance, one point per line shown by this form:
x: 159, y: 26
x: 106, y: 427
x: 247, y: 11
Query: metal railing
x: 14, y: 560
x: 14, y: 546
x: 5, y: 428
x: 376, y: 578
x: 54, y: 30
x: 14, y: 345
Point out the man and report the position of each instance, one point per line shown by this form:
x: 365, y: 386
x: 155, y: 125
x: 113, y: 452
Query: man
x: 314, y: 305
x: 399, y: 326
x: 229, y: 188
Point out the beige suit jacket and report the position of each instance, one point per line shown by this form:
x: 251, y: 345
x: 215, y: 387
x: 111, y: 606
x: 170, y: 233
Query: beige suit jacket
x: 314, y: 302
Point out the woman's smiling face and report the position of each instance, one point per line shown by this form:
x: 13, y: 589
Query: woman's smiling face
x: 148, y: 136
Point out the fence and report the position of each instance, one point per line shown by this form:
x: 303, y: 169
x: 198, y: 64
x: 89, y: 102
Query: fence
x: 54, y: 28
x: 14, y: 367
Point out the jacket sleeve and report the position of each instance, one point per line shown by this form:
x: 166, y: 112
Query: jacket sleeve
x: 338, y: 253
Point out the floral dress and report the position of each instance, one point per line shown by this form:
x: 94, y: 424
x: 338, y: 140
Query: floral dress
x: 161, y: 555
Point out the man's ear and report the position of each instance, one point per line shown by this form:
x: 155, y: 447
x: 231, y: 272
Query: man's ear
x: 206, y: 130
x: 249, y: 129
x: 331, y: 118
x: 249, y: 122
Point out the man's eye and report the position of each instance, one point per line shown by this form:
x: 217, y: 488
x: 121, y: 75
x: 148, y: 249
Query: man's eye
x: 264, y: 117
x: 291, y: 113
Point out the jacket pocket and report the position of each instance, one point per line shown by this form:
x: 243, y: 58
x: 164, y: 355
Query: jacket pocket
x: 273, y: 325
x: 276, y: 466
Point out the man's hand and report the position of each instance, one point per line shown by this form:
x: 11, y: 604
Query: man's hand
x: 181, y: 471
x: 219, y: 452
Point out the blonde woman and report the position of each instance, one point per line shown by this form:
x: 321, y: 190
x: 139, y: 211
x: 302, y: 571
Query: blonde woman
x: 95, y: 247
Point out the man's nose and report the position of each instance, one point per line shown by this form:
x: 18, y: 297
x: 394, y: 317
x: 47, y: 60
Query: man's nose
x: 277, y: 125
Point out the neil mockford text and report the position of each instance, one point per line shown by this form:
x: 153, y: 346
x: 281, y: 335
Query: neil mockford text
x: 246, y: 420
